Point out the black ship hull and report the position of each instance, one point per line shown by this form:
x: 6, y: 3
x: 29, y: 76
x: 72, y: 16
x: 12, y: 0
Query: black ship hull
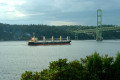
x: 49, y: 43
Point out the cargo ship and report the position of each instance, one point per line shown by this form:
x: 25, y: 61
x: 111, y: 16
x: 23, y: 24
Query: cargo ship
x: 34, y: 41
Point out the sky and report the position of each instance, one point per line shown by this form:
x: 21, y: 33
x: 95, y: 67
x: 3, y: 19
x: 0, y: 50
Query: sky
x: 59, y: 12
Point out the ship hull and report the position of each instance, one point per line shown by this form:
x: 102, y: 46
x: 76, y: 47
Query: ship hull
x: 49, y: 43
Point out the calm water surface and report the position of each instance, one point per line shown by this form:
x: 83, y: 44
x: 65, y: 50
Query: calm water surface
x: 17, y: 57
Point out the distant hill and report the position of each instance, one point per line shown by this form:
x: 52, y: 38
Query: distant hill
x: 24, y: 32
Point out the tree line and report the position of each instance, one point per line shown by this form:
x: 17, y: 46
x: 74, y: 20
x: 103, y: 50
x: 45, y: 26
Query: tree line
x: 24, y: 32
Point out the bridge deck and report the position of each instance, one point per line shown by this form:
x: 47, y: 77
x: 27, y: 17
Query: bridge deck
x: 94, y: 30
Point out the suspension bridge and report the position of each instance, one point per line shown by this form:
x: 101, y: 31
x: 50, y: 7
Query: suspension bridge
x: 99, y: 29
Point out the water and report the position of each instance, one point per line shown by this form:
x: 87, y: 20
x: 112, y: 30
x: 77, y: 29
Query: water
x: 16, y: 57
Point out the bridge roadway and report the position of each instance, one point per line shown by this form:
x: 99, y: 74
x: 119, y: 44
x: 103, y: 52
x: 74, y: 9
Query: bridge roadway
x: 100, y: 29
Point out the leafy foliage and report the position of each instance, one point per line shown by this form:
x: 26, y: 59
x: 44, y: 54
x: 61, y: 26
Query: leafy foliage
x: 93, y: 67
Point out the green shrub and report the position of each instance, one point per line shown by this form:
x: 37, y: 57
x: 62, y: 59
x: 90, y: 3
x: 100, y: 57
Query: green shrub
x: 27, y: 75
x: 93, y: 67
x: 107, y: 68
x: 116, y: 67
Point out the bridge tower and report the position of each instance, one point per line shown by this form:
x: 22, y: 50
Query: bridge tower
x: 99, y: 26
x: 76, y: 36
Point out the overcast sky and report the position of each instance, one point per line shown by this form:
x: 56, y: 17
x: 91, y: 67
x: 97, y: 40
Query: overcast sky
x: 59, y: 12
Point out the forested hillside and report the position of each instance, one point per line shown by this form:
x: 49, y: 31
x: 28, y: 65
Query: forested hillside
x: 24, y: 32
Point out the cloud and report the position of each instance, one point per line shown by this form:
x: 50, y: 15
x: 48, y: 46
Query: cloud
x: 62, y: 11
x: 9, y: 11
x: 12, y: 2
x: 58, y: 23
